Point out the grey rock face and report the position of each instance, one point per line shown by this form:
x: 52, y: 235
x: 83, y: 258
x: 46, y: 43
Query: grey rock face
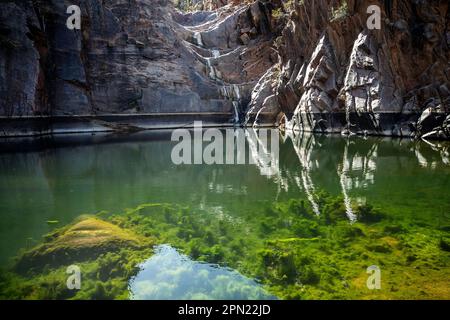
x: 134, y: 57
x: 127, y: 58
x: 19, y: 64
x: 263, y: 106
x: 267, y: 60
x: 343, y: 77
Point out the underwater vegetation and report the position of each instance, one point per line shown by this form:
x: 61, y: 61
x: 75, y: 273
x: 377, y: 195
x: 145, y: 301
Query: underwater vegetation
x: 287, y: 248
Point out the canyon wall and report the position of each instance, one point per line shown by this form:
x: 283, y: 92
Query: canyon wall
x: 133, y: 58
x: 310, y: 65
x: 127, y: 58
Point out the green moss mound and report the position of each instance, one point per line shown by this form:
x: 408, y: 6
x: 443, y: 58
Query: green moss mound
x: 84, y: 240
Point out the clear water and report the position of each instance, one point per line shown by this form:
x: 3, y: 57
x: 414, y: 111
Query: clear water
x: 169, y: 275
x: 44, y: 188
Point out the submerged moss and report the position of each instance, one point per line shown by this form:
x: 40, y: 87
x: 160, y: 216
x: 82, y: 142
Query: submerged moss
x: 295, y: 253
x: 84, y: 240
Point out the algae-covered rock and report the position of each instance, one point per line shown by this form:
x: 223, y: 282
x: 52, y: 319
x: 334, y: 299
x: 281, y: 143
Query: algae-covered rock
x: 84, y: 240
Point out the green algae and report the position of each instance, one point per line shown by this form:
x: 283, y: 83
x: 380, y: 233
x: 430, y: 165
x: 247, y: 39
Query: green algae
x: 293, y: 252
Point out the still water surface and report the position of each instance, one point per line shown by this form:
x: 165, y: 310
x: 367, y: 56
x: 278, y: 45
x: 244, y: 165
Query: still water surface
x: 41, y: 186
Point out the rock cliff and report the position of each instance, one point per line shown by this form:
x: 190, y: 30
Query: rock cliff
x: 339, y: 76
x: 312, y: 65
x: 128, y: 57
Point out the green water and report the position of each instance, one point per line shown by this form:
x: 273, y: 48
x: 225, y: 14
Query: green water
x: 408, y: 181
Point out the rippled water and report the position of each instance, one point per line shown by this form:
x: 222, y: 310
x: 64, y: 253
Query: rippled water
x: 42, y: 187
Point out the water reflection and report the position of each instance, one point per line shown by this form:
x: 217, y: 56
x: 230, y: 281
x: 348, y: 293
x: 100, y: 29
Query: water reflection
x: 440, y: 148
x: 169, y: 275
x: 303, y: 145
x: 264, y: 155
x: 356, y: 171
x: 357, y: 168
x: 109, y: 172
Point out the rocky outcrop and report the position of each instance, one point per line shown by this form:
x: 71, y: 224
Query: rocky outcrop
x: 339, y: 76
x: 201, y: 5
x: 310, y: 65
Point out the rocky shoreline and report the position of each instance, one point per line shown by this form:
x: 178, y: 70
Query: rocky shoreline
x: 123, y: 123
x: 391, y: 124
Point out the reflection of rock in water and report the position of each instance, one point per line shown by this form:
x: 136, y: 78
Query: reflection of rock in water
x: 345, y: 181
x: 430, y: 154
x: 267, y: 160
x: 356, y: 171
x: 303, y: 145
x: 171, y: 275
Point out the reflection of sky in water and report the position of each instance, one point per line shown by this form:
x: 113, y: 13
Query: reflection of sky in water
x: 171, y: 275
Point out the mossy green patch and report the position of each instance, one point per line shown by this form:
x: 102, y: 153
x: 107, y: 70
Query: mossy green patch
x: 293, y: 252
x: 82, y: 241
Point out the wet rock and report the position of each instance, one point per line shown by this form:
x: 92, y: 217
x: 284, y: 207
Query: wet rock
x: 264, y: 106
x: 440, y: 132
x: 129, y: 58
x: 318, y: 82
x: 20, y: 74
